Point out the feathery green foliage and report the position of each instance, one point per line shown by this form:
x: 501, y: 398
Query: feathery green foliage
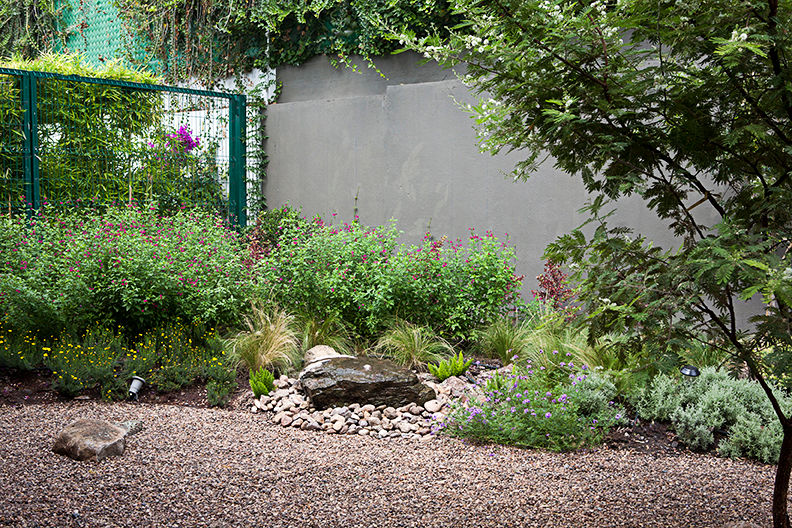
x: 262, y: 381
x: 329, y: 330
x: 453, y: 366
x: 503, y: 339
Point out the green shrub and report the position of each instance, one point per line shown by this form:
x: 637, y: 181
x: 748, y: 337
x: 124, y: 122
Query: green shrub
x: 454, y: 287
x: 558, y: 407
x: 325, y: 271
x: 453, y: 366
x: 124, y: 267
x: 261, y: 382
x: 267, y: 232
x: 413, y: 346
x: 715, y: 401
x: 361, y: 274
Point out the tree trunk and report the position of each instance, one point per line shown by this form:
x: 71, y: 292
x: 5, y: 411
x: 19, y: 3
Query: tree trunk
x: 781, y: 489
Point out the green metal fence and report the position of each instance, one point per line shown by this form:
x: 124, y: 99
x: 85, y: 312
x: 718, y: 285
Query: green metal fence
x: 66, y: 139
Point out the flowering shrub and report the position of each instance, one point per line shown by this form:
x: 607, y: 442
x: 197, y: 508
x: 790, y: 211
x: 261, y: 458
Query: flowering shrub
x: 455, y: 286
x: 267, y: 232
x: 361, y: 274
x: 125, y: 267
x: 560, y: 407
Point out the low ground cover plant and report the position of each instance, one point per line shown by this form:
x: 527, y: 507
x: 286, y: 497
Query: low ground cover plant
x: 712, y: 402
x: 104, y: 359
x: 560, y: 407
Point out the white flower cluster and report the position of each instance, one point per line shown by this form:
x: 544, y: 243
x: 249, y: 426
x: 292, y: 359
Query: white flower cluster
x: 599, y: 6
x: 743, y: 36
x: 553, y: 10
x: 609, y: 32
x: 472, y: 41
x: 433, y: 52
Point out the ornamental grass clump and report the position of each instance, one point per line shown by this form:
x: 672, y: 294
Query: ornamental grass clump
x: 503, y: 339
x: 560, y: 407
x: 413, y: 346
x: 329, y: 331
x: 268, y: 341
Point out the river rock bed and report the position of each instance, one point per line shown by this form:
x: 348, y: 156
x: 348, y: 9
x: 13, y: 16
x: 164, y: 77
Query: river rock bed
x: 288, y: 406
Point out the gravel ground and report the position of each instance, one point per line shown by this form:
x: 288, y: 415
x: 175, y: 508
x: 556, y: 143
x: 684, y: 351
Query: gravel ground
x: 194, y: 467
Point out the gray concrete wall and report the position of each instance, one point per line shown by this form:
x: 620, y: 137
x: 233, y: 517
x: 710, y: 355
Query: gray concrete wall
x: 408, y: 151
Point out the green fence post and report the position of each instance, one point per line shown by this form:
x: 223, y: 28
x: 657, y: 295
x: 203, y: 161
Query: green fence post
x: 30, y: 128
x: 237, y: 188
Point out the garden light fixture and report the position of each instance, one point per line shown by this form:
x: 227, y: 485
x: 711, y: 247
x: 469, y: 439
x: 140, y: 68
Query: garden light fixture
x: 689, y: 370
x: 135, y: 386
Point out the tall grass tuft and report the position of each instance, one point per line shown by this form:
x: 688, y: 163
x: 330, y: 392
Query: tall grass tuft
x: 413, y: 346
x: 329, y: 331
x: 503, y: 339
x: 269, y: 341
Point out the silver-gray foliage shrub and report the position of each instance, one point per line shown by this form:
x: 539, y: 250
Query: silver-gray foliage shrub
x: 715, y: 401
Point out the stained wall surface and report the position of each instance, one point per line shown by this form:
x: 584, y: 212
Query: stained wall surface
x: 403, y: 146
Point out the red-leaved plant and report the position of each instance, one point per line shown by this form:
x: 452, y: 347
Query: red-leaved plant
x: 554, y: 289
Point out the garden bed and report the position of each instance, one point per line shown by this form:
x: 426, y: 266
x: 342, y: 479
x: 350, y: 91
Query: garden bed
x: 33, y: 387
x: 212, y: 467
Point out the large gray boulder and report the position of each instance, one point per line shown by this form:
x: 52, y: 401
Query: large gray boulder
x: 90, y: 439
x: 337, y: 381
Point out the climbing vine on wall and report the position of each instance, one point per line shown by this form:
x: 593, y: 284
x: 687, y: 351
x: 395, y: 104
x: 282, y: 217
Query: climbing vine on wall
x: 30, y: 27
x: 180, y: 39
x: 212, y: 39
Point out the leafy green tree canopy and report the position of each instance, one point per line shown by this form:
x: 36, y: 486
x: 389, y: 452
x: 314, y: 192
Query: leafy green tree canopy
x: 685, y: 104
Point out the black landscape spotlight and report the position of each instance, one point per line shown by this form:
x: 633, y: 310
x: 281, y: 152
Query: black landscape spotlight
x: 690, y: 371
x: 135, y: 386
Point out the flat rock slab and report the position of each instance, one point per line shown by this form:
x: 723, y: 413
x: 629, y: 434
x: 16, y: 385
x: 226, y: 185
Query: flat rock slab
x: 88, y: 439
x: 338, y: 381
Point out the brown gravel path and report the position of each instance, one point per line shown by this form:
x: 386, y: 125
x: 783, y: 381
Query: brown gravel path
x: 195, y: 467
